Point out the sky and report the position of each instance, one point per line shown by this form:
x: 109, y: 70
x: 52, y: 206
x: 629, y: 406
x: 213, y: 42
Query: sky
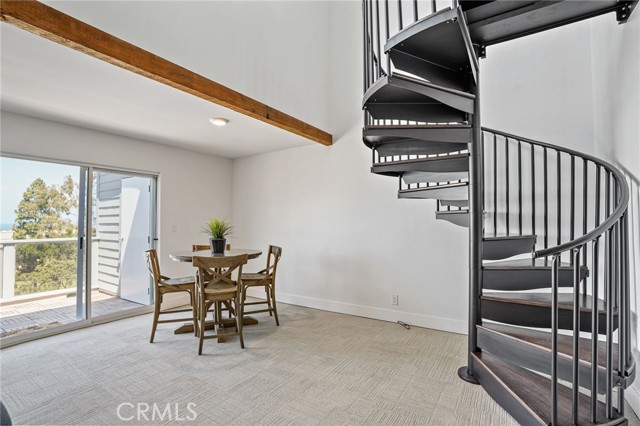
x: 16, y: 176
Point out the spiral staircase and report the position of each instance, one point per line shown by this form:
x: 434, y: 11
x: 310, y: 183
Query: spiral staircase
x: 549, y: 285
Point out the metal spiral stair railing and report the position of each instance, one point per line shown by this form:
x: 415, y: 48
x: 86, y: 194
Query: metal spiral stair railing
x: 595, y: 199
x: 564, y: 210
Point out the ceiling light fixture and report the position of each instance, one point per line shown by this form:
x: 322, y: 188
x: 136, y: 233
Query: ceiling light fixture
x: 218, y: 121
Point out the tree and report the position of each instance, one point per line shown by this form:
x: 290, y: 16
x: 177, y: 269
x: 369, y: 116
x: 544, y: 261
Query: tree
x: 42, y: 210
x: 44, y: 213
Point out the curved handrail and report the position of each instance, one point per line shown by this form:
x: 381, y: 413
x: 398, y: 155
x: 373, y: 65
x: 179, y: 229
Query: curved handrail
x: 607, y: 223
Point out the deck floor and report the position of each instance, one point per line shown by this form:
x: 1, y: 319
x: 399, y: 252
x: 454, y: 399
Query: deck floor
x: 35, y: 315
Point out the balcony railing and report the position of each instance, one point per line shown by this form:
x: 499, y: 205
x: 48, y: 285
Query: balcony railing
x: 10, y: 268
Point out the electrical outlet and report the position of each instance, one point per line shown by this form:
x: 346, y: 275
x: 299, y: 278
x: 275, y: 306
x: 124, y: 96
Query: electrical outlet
x: 394, y: 299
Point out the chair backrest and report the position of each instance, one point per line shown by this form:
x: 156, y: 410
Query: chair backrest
x: 154, y: 266
x: 213, y: 270
x: 273, y: 258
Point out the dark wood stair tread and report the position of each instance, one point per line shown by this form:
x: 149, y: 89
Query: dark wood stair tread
x: 450, y: 191
x: 527, y: 274
x: 500, y: 21
x: 440, y: 164
x: 503, y: 247
x: 404, y: 98
x: 433, y: 44
x: 534, y: 391
x: 427, y: 83
x: 457, y: 217
x: 543, y: 340
x: 565, y: 300
x: 542, y: 263
x: 415, y: 137
x: 446, y: 185
x: 508, y: 237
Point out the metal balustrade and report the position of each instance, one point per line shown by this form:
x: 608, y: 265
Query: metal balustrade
x: 579, y: 216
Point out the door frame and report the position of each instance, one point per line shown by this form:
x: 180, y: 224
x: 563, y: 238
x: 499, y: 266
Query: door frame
x: 153, y: 231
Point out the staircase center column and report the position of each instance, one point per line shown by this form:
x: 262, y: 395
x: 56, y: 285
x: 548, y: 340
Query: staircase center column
x: 476, y: 229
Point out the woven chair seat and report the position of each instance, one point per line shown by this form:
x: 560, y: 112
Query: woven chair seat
x: 178, y: 281
x: 253, y: 277
x: 220, y: 288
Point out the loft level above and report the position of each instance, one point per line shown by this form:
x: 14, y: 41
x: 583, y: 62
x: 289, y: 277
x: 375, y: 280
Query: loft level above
x: 492, y: 22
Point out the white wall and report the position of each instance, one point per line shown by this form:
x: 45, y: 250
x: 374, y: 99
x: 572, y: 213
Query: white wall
x: 616, y: 88
x: 192, y: 186
x: 539, y: 87
x: 348, y: 242
x: 268, y: 50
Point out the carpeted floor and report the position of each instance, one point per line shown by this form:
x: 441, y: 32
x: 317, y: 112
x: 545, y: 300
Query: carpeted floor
x: 317, y: 368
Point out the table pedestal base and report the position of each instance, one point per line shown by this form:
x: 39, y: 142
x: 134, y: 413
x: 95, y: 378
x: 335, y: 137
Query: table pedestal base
x: 208, y: 325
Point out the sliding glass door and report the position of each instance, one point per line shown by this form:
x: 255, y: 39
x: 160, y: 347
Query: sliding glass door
x: 41, y: 246
x: 72, y: 246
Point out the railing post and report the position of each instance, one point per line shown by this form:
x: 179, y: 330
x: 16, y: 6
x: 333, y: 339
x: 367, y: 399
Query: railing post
x: 7, y: 290
x: 476, y: 230
x: 575, y: 259
x: 609, y: 261
x: 554, y: 339
x: 595, y: 264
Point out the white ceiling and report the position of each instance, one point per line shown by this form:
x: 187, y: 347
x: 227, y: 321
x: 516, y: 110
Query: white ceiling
x: 43, y: 79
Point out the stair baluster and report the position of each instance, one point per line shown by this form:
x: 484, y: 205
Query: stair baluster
x: 576, y: 334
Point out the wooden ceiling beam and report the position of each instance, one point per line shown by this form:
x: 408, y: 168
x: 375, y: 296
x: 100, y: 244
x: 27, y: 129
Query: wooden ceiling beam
x: 56, y: 26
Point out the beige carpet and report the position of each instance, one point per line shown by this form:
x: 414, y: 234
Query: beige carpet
x: 317, y: 368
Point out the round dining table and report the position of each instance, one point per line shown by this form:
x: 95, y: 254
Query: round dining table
x: 187, y: 256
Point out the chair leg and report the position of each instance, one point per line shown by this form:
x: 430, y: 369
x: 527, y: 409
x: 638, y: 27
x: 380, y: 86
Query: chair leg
x: 194, y: 313
x: 236, y: 310
x: 156, y: 314
x: 203, y: 317
x: 273, y: 301
x: 218, y: 316
x: 239, y: 316
x: 266, y: 290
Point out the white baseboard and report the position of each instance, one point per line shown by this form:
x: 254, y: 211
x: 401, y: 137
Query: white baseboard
x: 633, y: 398
x: 419, y: 320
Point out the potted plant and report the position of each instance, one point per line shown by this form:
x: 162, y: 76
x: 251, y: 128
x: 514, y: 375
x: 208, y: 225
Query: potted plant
x: 218, y: 230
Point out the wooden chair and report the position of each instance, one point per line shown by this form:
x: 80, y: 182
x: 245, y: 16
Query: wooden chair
x: 200, y: 247
x: 214, y: 286
x: 267, y: 279
x: 163, y: 285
